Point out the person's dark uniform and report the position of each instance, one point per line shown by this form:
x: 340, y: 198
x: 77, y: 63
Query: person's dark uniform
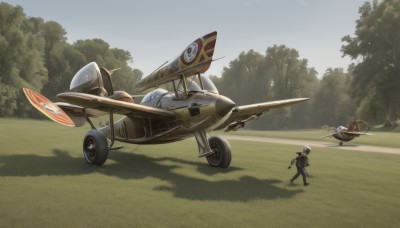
x: 301, y: 164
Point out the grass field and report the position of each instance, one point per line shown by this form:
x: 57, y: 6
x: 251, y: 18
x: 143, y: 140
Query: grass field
x: 44, y: 182
x: 378, y: 138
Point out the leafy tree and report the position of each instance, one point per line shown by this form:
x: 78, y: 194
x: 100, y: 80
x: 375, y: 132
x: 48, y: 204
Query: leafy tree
x: 35, y: 54
x: 376, y: 46
x: 56, y: 63
x: 240, y: 81
x: 280, y: 74
x: 290, y: 77
x: 127, y: 79
x: 20, y: 58
x: 332, y: 103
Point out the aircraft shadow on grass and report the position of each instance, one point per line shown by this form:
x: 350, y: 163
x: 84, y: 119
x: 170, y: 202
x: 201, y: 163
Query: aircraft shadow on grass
x: 136, y: 166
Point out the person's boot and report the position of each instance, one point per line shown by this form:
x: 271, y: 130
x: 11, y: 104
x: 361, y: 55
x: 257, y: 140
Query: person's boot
x: 305, y: 184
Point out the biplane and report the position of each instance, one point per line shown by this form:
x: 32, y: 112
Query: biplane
x: 192, y: 107
x: 353, y: 129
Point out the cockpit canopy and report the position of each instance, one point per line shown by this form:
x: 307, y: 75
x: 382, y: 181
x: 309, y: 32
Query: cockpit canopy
x: 153, y: 96
x: 88, y: 80
x: 193, y: 85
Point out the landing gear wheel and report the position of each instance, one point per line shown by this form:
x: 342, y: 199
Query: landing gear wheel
x: 95, y: 148
x: 222, y: 152
x: 341, y: 143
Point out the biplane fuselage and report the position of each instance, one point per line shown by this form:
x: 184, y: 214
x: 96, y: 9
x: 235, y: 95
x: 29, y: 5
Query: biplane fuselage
x: 200, y: 110
x: 353, y: 129
x: 342, y: 136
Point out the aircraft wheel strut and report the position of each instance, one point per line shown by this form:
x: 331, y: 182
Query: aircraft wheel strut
x: 95, y: 148
x: 341, y: 143
x: 222, y: 152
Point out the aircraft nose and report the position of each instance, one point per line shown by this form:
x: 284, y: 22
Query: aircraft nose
x: 224, y: 105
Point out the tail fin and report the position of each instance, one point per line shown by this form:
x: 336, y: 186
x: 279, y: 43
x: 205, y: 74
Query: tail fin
x: 195, y: 59
x: 357, y: 126
x: 199, y: 51
x: 48, y: 108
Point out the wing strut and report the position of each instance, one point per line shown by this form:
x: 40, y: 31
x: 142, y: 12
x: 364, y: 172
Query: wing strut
x: 110, y: 147
x: 112, y: 129
x: 89, y: 120
x: 202, y: 143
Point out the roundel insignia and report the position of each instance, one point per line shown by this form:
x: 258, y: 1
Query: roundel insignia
x: 49, y: 109
x: 191, y: 52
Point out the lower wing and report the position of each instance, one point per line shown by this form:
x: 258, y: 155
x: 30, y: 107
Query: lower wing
x: 328, y: 135
x: 81, y: 105
x: 357, y: 133
x: 242, y: 114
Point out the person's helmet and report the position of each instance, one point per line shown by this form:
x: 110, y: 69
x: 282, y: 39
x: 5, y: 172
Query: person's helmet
x: 306, y: 149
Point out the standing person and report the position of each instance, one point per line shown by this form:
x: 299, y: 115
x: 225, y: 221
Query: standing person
x: 301, y: 163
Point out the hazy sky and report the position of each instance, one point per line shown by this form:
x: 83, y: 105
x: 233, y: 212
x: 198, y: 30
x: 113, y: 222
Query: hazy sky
x: 155, y: 31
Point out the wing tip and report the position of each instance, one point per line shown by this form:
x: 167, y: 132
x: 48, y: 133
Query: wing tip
x: 48, y: 108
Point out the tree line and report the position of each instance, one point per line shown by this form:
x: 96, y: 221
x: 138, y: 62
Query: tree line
x: 35, y: 53
x: 370, y: 90
x: 281, y: 74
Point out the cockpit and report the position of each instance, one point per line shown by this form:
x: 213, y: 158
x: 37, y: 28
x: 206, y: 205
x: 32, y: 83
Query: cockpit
x: 341, y: 128
x: 97, y: 81
x: 154, y: 96
x: 88, y: 80
x: 194, y: 84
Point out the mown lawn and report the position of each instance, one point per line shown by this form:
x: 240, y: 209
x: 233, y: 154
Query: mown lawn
x: 378, y: 138
x: 44, y: 182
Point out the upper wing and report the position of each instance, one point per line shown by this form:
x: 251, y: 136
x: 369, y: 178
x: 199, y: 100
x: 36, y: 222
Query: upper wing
x: 106, y: 105
x: 78, y: 114
x: 245, y: 113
